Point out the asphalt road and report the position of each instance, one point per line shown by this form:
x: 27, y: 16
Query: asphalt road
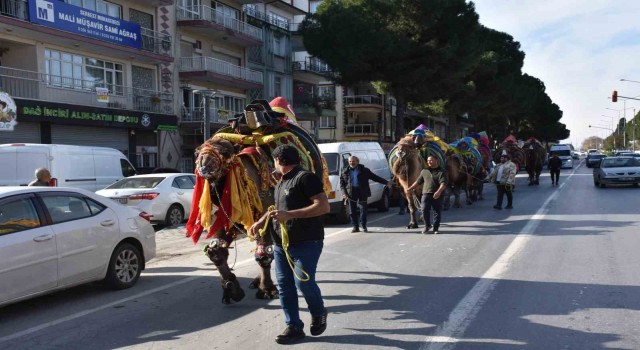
x: 559, y: 271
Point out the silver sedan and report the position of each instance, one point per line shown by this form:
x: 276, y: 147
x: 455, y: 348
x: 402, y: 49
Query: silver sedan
x: 617, y: 170
x: 165, y: 197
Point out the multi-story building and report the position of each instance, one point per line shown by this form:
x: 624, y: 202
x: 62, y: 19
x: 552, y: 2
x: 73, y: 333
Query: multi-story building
x: 214, y: 76
x: 91, y: 72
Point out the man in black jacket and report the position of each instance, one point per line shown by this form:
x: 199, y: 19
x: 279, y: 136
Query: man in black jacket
x: 354, y: 183
x: 555, y: 164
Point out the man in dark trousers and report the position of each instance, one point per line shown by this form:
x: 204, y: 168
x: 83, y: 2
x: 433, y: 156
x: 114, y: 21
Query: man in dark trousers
x: 354, y: 183
x: 434, y: 182
x: 300, y: 204
x: 555, y: 164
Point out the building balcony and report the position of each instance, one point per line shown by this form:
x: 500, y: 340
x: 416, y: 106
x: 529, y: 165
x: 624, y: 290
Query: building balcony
x: 265, y: 18
x: 46, y: 87
x: 194, y: 115
x: 154, y: 48
x: 361, y: 130
x: 217, y: 71
x: 211, y: 22
x: 311, y: 70
x: 363, y: 103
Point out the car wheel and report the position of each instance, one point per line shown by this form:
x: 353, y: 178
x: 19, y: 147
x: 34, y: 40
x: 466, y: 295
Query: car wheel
x: 344, y: 216
x: 602, y: 185
x: 175, y: 215
x: 595, y: 183
x: 383, y: 204
x: 124, y: 267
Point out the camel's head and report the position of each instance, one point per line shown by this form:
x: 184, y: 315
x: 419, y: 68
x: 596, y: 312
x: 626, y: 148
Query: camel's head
x: 214, y: 157
x: 406, y: 146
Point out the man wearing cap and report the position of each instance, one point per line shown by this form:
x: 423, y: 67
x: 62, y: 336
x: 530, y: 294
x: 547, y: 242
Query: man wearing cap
x: 504, y: 176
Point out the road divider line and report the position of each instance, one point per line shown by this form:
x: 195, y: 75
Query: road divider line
x: 446, y: 336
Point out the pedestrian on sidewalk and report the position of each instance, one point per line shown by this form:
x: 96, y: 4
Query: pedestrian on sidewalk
x: 354, y: 183
x: 434, y: 182
x: 555, y: 164
x: 43, y: 177
x: 504, y: 177
x: 300, y: 204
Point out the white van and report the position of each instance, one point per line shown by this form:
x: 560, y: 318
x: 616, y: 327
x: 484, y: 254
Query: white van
x: 87, y: 167
x: 372, y: 156
x: 564, y: 153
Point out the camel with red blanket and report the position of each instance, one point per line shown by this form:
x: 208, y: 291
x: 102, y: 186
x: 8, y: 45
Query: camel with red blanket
x: 234, y: 175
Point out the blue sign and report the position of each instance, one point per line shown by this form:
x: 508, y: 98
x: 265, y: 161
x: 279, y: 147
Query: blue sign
x: 74, y: 19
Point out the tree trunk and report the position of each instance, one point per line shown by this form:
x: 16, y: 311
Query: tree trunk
x: 401, y: 111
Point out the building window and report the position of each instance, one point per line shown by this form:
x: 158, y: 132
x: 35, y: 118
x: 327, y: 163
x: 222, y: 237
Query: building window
x: 104, y: 7
x: 278, y: 46
x: 226, y: 10
x: 278, y: 20
x: 277, y: 86
x: 146, y: 160
x: 327, y: 122
x: 78, y: 72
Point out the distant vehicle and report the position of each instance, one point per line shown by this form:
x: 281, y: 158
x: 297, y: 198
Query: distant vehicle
x: 165, y: 197
x: 87, y: 167
x: 625, y: 154
x: 575, y: 156
x: 594, y: 159
x: 372, y: 156
x: 617, y: 170
x: 53, y: 238
x: 564, y: 153
x: 592, y: 150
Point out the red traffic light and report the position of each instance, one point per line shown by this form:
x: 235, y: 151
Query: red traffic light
x: 614, y: 97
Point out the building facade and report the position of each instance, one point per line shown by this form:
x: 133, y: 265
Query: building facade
x: 91, y: 72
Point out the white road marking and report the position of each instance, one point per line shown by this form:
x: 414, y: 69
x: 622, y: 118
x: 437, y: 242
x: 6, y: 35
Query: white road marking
x: 139, y: 295
x: 446, y: 335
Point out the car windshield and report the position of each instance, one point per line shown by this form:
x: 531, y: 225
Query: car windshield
x: 137, y: 182
x: 562, y: 153
x: 619, y: 163
x: 333, y: 162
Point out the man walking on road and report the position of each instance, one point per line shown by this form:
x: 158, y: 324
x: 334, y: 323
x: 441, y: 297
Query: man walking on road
x: 299, y: 235
x: 434, y: 182
x: 555, y: 164
x: 354, y: 183
x: 504, y: 176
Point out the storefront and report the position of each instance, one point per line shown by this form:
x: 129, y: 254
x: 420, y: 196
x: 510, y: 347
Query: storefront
x: 59, y: 123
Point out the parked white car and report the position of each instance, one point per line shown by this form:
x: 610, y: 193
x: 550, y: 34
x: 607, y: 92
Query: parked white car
x: 165, y: 197
x: 53, y: 238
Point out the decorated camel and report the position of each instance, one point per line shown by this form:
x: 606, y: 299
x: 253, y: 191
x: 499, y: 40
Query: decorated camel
x: 234, y: 176
x: 510, y: 145
x: 534, y: 159
x: 408, y: 158
x: 469, y: 173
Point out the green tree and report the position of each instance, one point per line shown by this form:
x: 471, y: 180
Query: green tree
x: 418, y: 51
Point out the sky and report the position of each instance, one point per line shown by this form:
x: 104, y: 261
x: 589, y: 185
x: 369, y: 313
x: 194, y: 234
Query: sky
x: 580, y: 49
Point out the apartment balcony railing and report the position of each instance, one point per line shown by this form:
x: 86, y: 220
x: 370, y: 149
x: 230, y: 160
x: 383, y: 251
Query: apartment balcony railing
x: 201, y: 12
x: 361, y: 129
x: 312, y: 65
x: 268, y: 18
x: 216, y: 115
x: 363, y: 99
x: 46, y: 87
x: 156, y: 42
x: 214, y: 65
x: 15, y: 8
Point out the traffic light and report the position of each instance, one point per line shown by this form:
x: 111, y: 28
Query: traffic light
x: 614, y: 97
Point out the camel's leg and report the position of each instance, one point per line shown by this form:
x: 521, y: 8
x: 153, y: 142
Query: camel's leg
x: 264, y: 257
x: 411, y: 204
x: 218, y: 254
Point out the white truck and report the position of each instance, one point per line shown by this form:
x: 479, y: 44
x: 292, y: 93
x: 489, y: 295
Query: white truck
x: 372, y: 156
x: 87, y: 167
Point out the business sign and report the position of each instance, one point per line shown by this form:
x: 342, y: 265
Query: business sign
x: 74, y: 19
x: 62, y: 113
x: 8, y: 113
x: 102, y: 94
